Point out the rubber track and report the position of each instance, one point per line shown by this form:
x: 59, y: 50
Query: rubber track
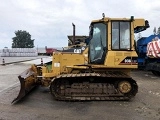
x: 117, y: 76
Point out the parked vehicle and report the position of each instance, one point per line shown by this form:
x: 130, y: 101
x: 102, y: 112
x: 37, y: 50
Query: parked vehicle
x: 148, y: 50
x: 106, y: 75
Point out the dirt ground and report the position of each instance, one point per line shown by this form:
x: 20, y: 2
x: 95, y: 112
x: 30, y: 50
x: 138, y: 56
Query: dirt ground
x: 39, y: 104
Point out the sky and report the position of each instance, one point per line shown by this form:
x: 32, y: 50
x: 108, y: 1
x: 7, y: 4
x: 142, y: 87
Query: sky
x: 50, y: 21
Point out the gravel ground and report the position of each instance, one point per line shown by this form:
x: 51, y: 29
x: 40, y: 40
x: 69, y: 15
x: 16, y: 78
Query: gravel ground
x: 39, y: 104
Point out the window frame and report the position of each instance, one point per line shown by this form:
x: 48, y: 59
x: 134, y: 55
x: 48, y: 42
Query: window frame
x: 119, y: 35
x: 105, y: 47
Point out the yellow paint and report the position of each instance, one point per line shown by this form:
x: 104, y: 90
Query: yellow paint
x: 63, y: 63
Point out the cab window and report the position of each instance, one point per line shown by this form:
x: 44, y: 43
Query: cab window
x: 121, y: 35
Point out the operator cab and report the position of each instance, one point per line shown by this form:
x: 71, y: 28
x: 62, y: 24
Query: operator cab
x: 109, y: 34
x: 120, y: 39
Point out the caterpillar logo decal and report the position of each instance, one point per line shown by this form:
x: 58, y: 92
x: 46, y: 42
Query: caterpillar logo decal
x: 79, y: 50
x: 129, y: 61
x: 76, y: 50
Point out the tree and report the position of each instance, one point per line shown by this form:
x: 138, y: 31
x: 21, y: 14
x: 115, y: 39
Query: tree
x: 22, y: 40
x: 158, y: 31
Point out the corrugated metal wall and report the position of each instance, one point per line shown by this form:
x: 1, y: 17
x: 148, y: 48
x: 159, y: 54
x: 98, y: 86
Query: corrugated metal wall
x: 18, y: 52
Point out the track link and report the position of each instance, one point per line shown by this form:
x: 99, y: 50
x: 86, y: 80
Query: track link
x: 93, y: 86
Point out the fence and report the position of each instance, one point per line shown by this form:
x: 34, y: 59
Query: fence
x: 18, y: 52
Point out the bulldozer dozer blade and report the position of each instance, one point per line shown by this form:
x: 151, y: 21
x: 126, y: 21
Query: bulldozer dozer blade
x: 27, y: 82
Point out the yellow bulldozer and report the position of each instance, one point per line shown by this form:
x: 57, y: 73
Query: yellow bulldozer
x: 110, y: 57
